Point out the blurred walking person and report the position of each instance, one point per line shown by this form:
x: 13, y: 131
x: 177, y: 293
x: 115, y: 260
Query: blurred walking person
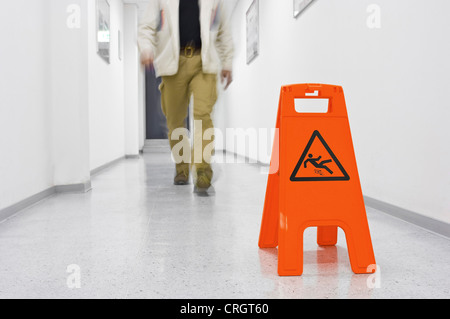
x: 188, y: 43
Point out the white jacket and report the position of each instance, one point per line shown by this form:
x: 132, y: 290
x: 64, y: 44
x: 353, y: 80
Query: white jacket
x: 159, y: 35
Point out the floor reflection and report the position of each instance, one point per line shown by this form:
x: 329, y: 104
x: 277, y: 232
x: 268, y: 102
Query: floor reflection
x: 326, y: 274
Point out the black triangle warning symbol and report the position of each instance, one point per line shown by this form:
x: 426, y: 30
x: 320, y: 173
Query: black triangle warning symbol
x: 318, y: 163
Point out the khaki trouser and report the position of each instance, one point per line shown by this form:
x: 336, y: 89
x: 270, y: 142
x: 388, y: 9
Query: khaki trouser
x: 176, y: 92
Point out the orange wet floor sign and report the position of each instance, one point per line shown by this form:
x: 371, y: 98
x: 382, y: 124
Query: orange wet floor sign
x: 314, y: 182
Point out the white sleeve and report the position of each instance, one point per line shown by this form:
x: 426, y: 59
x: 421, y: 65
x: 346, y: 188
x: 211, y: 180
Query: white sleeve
x: 224, y: 42
x: 148, y: 27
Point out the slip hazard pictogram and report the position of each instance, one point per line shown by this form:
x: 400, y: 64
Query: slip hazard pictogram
x: 318, y: 163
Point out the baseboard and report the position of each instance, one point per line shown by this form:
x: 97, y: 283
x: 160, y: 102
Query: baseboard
x: 74, y: 188
x: 107, y: 165
x: 430, y: 224
x: 10, y: 211
x: 134, y: 156
x: 16, y: 208
x: 425, y: 222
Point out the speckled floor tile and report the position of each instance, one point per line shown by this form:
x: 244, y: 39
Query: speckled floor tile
x: 135, y: 235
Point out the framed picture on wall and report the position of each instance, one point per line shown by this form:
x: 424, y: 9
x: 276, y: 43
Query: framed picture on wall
x: 300, y: 6
x: 253, y: 31
x: 103, y: 30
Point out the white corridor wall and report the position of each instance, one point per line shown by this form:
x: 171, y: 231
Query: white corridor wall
x: 62, y: 108
x: 106, y: 92
x: 396, y: 80
x: 25, y: 117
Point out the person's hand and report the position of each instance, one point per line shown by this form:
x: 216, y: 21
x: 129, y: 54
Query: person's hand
x: 226, y: 76
x: 147, y: 59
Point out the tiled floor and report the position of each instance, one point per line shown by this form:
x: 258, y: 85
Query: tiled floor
x: 135, y: 235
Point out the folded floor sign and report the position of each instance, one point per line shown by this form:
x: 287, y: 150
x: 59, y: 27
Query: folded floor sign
x: 316, y: 184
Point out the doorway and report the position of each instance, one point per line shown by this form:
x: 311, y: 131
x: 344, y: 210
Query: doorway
x: 156, y: 125
x: 156, y: 128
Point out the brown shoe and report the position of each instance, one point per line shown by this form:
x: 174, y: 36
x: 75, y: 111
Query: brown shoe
x: 181, y: 178
x: 203, y: 181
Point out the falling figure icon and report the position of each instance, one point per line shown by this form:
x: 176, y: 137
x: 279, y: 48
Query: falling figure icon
x: 315, y: 161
